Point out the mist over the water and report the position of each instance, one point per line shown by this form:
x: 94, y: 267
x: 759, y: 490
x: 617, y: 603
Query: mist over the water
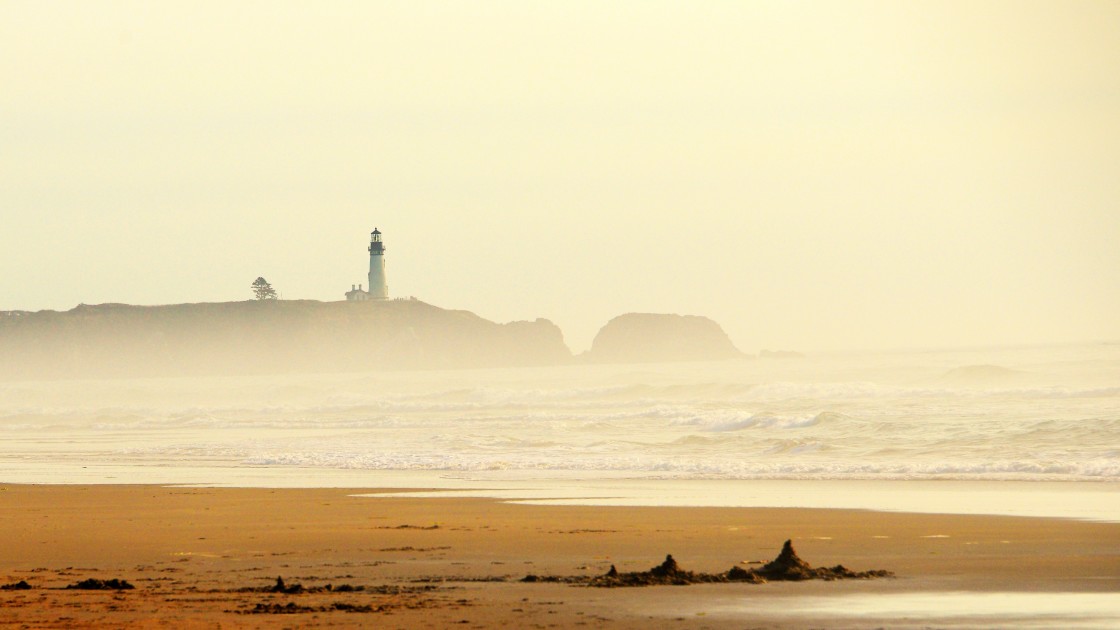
x: 1028, y: 413
x: 813, y: 176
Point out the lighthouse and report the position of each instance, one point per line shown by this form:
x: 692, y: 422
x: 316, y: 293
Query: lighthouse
x: 378, y: 288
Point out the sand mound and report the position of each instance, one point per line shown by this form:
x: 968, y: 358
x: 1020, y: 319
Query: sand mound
x: 788, y: 566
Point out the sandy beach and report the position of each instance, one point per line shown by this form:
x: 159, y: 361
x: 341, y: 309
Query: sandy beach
x: 211, y: 557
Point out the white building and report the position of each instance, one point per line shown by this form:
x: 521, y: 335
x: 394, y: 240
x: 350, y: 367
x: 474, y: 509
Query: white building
x: 378, y: 287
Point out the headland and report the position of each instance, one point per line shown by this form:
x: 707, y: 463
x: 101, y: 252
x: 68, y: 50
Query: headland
x: 307, y: 336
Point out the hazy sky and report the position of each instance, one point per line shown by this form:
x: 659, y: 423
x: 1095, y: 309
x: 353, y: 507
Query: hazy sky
x: 812, y: 175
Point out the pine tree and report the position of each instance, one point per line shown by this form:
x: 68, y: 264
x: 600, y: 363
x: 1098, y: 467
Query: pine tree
x: 262, y: 290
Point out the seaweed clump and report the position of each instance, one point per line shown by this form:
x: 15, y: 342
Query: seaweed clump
x: 291, y: 608
x: 93, y: 584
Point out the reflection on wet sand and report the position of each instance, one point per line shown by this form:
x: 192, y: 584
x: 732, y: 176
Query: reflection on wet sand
x: 941, y: 609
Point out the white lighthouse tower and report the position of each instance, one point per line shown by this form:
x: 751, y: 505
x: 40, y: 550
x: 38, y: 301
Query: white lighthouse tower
x: 378, y: 288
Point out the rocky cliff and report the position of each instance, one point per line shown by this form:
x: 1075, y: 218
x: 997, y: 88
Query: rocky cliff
x: 256, y: 337
x: 654, y: 337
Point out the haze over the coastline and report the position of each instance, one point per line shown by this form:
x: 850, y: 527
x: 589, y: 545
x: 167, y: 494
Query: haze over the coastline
x: 809, y: 175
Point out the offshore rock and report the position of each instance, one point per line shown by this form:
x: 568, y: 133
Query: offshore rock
x: 655, y: 337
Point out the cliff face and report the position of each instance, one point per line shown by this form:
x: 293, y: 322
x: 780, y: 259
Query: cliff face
x: 652, y: 337
x: 112, y: 340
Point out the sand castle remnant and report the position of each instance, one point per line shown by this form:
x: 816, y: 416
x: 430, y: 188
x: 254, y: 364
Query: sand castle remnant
x: 378, y: 287
x: 787, y: 567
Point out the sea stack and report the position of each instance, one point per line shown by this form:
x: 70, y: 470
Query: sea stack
x: 657, y: 337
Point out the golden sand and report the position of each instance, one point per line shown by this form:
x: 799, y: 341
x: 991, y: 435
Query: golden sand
x: 207, y: 557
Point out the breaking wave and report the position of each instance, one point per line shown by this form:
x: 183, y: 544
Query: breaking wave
x: 685, y: 468
x: 880, y: 419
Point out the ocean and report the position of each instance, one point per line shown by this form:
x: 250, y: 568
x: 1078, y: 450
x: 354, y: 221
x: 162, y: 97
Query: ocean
x: 1041, y: 415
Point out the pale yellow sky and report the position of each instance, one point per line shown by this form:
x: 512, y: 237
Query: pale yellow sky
x: 812, y: 175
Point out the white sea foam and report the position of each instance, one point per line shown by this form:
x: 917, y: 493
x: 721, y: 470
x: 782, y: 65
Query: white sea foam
x: 735, y: 420
x: 682, y: 468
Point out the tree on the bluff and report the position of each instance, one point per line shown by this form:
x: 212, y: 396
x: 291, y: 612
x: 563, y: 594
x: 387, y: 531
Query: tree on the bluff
x: 263, y: 290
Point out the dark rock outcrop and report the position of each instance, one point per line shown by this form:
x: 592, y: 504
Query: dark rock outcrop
x: 654, y: 337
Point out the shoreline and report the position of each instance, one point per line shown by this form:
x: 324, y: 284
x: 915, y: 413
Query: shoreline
x: 1091, y: 500
x: 202, y: 555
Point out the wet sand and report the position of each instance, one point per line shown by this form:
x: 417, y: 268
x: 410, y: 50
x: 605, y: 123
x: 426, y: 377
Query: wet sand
x: 206, y: 557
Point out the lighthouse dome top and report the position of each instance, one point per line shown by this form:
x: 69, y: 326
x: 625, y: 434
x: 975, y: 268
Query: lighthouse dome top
x: 375, y: 231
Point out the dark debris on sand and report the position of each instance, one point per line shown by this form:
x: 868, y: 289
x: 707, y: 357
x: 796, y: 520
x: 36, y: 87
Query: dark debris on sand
x: 786, y: 567
x: 280, y: 586
x: 291, y: 608
x: 285, y: 588
x: 93, y: 584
